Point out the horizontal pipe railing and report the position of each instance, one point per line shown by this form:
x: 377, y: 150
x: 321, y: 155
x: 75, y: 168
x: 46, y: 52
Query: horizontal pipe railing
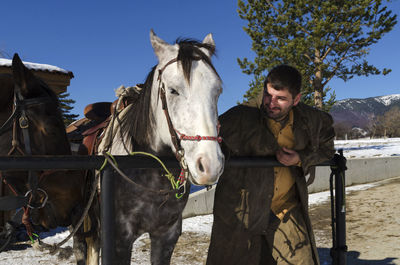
x: 95, y: 162
x: 107, y: 194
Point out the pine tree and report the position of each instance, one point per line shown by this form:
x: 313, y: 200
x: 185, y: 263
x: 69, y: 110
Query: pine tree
x: 322, y: 39
x: 66, y: 107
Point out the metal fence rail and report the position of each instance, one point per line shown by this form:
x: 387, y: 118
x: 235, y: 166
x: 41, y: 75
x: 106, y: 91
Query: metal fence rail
x: 338, y: 251
x: 95, y: 162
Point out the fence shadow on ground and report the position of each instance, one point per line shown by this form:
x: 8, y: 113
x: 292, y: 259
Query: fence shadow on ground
x: 353, y: 258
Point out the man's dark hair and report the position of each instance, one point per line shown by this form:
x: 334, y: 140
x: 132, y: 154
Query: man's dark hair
x: 284, y: 77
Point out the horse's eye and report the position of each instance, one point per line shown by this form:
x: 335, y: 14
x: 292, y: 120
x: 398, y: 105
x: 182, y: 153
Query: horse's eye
x: 173, y: 91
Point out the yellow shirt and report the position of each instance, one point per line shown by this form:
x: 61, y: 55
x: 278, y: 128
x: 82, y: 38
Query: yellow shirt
x: 284, y: 198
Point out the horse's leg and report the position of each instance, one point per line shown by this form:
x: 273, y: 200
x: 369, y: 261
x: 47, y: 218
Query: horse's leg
x: 79, y: 248
x: 91, y: 225
x: 86, y: 242
x: 123, y: 248
x: 163, y: 244
x: 79, y: 245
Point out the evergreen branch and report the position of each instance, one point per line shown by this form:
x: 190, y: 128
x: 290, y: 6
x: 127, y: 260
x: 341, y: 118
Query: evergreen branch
x: 331, y: 46
x: 335, y: 69
x: 280, y: 13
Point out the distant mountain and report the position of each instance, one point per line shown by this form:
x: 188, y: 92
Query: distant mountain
x: 359, y: 112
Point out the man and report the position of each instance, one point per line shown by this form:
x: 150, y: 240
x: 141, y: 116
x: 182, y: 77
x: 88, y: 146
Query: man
x: 261, y: 214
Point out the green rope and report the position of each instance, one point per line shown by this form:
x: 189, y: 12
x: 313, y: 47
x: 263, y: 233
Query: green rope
x: 175, y: 184
x: 32, y: 239
x: 171, y: 178
x: 105, y: 161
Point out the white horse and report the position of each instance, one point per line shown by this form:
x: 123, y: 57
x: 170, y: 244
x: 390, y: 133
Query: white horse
x: 175, y: 115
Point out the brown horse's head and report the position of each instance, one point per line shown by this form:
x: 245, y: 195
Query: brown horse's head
x: 41, y: 104
x: 38, y: 108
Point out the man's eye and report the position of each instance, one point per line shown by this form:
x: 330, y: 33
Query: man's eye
x: 173, y: 91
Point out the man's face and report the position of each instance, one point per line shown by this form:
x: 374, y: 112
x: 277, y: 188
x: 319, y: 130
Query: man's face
x: 278, y: 103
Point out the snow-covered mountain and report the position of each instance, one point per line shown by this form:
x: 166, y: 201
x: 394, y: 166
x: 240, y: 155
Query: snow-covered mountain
x: 359, y: 112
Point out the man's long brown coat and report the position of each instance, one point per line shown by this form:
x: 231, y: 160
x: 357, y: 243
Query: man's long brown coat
x: 243, y: 196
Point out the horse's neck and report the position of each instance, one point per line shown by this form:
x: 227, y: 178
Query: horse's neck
x: 60, y: 141
x: 5, y: 142
x: 5, y: 112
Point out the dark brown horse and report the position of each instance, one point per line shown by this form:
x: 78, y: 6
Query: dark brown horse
x: 32, y: 125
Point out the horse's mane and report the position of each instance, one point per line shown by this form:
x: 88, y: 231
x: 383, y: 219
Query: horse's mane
x: 42, y: 89
x: 54, y: 99
x: 50, y: 117
x: 189, y: 50
x: 45, y: 90
x: 137, y: 124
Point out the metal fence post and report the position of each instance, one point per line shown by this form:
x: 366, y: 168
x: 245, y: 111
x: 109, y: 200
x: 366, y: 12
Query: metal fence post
x: 339, y: 249
x: 107, y: 217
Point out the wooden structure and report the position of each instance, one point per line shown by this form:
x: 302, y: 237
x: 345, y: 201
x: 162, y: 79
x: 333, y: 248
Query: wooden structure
x: 56, y: 78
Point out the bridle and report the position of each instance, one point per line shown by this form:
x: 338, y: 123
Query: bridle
x: 176, y: 141
x: 20, y: 105
x: 19, y: 121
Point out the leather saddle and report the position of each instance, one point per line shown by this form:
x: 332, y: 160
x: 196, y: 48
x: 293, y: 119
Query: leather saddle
x: 85, y: 134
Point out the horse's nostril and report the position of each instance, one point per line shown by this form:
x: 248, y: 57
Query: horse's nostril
x: 200, y: 165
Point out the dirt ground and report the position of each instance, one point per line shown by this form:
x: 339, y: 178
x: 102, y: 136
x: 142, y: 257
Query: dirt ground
x: 372, y: 225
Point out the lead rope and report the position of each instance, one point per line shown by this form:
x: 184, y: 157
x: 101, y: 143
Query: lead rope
x: 177, y: 186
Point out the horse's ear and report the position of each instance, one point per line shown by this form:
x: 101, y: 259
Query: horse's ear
x: 20, y: 74
x: 162, y: 49
x: 209, y: 41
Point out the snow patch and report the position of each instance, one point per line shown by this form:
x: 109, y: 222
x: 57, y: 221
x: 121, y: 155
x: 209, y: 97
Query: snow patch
x: 388, y: 100
x: 35, y: 66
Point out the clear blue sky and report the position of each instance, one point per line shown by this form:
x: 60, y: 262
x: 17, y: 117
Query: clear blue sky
x: 106, y: 44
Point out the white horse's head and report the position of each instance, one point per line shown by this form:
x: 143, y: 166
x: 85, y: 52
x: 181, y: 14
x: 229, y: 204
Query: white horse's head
x: 192, y: 87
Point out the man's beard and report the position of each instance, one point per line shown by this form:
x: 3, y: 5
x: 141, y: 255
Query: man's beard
x: 277, y: 116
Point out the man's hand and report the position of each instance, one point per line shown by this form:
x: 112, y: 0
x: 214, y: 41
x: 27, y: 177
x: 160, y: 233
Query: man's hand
x: 287, y: 157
